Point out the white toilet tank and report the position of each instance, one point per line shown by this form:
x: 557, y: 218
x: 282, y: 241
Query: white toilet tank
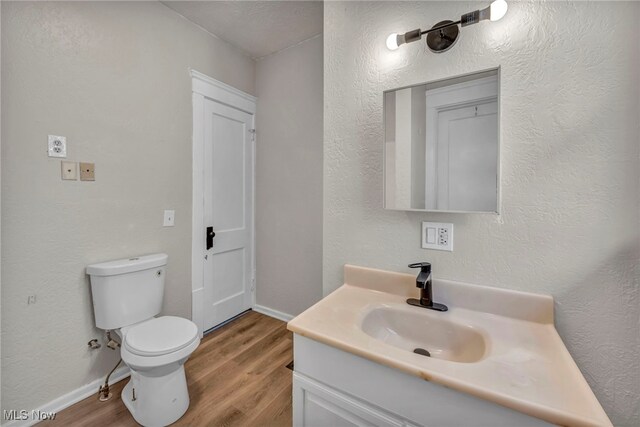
x: 127, y: 291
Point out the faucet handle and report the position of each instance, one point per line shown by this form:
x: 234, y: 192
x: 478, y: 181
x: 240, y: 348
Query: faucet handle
x: 423, y: 266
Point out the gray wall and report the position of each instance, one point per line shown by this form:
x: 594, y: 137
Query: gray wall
x: 569, y: 224
x: 113, y: 78
x: 289, y: 178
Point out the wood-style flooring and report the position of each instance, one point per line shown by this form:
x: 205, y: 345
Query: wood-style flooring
x: 237, y: 377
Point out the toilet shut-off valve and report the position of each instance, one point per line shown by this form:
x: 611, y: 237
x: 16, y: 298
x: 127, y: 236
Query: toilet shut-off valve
x: 112, y: 344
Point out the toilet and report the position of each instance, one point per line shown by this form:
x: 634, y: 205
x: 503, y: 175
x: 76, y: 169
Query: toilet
x: 127, y: 295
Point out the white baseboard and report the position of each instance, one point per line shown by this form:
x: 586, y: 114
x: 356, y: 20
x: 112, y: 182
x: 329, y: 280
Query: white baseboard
x: 273, y: 313
x: 68, y: 399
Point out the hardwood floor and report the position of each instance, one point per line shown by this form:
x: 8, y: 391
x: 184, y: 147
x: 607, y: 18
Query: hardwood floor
x: 236, y: 377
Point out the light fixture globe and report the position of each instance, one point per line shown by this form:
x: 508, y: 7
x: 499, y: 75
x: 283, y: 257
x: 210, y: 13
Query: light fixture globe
x: 392, y: 41
x: 497, y: 10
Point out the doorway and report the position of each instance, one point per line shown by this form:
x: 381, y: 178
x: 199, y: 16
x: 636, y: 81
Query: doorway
x: 223, y: 256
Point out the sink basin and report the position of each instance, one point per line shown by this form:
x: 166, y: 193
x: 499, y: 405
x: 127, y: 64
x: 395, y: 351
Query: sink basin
x: 411, y: 329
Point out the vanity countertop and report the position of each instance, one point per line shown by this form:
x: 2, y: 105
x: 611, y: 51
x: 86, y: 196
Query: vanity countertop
x: 526, y: 366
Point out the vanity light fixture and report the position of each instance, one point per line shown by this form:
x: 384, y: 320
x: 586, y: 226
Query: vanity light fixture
x: 442, y: 36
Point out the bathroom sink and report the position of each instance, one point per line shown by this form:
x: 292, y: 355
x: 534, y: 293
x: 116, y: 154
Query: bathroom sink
x: 496, y: 344
x: 426, y: 333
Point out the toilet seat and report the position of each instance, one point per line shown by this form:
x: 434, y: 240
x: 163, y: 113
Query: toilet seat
x: 160, y: 336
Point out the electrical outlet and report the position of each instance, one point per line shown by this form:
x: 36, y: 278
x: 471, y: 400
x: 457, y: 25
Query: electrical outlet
x: 57, y: 146
x: 443, y: 236
x: 31, y: 299
x: 438, y: 236
x: 69, y: 171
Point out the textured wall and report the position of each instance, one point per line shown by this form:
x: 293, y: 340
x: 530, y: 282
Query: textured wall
x: 569, y: 223
x: 289, y: 178
x: 113, y: 78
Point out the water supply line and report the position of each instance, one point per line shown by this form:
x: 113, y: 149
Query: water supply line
x: 103, y: 392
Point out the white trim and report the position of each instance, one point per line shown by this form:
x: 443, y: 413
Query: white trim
x: 254, y: 276
x: 203, y: 87
x: 273, y: 313
x: 72, y: 397
x: 197, y: 214
x: 222, y: 92
x: 451, y: 99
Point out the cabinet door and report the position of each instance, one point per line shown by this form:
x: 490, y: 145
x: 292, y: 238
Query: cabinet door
x: 316, y: 405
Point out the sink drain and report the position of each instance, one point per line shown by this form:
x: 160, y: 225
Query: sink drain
x: 422, y: 351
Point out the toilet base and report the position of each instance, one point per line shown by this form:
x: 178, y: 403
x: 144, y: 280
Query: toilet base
x: 159, y: 400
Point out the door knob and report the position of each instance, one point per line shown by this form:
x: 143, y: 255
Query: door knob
x: 210, y: 235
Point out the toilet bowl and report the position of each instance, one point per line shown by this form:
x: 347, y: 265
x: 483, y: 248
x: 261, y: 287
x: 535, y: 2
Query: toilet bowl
x: 127, y: 295
x: 155, y: 351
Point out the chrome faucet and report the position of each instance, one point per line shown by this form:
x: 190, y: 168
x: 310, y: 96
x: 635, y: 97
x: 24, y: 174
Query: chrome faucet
x: 423, y: 281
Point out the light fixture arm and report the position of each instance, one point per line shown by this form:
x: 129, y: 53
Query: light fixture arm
x: 439, y: 27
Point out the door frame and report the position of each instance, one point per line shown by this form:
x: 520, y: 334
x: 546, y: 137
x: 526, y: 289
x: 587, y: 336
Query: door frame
x: 453, y: 96
x: 204, y: 87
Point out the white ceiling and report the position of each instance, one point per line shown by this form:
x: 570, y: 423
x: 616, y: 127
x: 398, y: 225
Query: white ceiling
x: 259, y: 28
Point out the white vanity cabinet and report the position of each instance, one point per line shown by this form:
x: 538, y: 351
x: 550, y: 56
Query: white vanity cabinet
x: 317, y: 404
x: 334, y: 388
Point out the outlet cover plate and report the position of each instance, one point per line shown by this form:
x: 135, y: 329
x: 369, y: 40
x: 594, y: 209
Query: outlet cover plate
x: 169, y: 218
x: 57, y: 146
x: 69, y: 171
x: 438, y: 236
x: 87, y: 172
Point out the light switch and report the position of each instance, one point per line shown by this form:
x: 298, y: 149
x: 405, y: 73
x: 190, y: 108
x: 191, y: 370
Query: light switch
x: 431, y: 235
x: 69, y: 171
x: 438, y: 236
x: 169, y: 218
x: 87, y: 172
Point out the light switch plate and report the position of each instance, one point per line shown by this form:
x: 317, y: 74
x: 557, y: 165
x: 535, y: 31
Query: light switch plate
x: 169, y: 218
x: 438, y: 236
x: 69, y: 171
x: 57, y: 146
x: 87, y: 171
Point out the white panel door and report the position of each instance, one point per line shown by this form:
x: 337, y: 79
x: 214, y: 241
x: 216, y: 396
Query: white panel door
x: 228, y: 210
x: 468, y: 158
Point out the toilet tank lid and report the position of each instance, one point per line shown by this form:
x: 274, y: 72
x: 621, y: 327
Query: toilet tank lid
x: 127, y: 265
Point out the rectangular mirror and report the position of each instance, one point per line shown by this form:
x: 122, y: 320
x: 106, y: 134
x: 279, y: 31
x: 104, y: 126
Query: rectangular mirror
x: 441, y: 145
